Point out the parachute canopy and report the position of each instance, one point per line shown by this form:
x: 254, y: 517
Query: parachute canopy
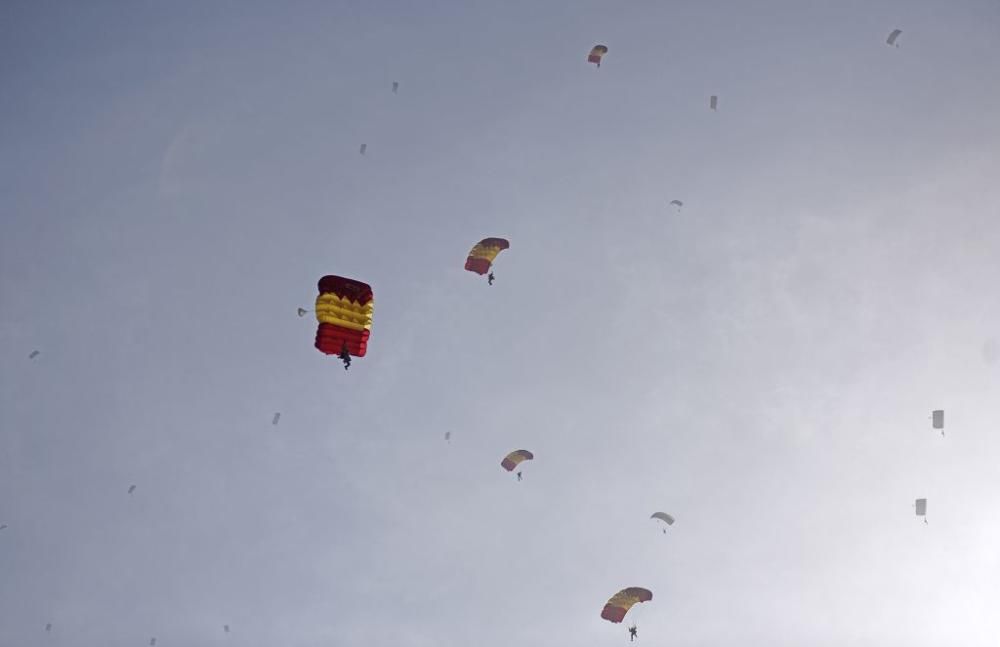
x: 33, y: 354
x: 131, y: 489
x: 937, y: 419
x: 713, y: 102
x: 921, y: 507
x: 482, y: 254
x: 3, y: 526
x: 344, y: 310
x: 276, y: 418
x: 364, y: 147
x: 621, y: 602
x: 515, y: 458
x: 677, y: 203
x: 596, y: 53
x: 664, y: 516
x: 893, y: 36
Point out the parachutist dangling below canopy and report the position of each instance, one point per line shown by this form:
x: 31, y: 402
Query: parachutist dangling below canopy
x: 345, y: 356
x: 491, y: 278
x: 633, y: 632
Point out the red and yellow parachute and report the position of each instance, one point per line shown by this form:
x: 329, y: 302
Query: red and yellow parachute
x: 344, y: 310
x: 596, y: 53
x: 481, y: 256
x: 515, y: 458
x: 621, y: 602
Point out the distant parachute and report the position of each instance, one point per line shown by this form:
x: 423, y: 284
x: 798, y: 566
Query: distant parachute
x: 713, y: 102
x: 921, y: 505
x: 395, y: 87
x: 344, y: 310
x: 481, y: 256
x: 225, y: 628
x: 596, y: 54
x: 663, y: 516
x: 621, y: 602
x: 152, y: 641
x: 48, y: 627
x: 515, y: 458
x: 447, y: 436
x: 3, y: 526
x: 893, y: 36
x: 677, y: 203
x: 364, y: 147
x: 34, y: 354
x: 131, y: 489
x: 937, y: 419
x: 276, y: 418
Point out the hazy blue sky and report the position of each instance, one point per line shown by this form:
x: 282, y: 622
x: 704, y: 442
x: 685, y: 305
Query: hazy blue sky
x: 176, y: 176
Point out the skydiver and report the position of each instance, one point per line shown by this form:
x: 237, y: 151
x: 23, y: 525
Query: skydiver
x: 518, y: 476
x: 345, y: 356
x: 633, y: 633
x: 491, y: 278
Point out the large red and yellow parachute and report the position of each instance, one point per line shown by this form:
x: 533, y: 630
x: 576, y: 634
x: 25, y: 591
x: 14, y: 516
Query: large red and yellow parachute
x: 621, y: 602
x: 481, y: 256
x: 515, y: 458
x: 596, y: 54
x: 344, y: 310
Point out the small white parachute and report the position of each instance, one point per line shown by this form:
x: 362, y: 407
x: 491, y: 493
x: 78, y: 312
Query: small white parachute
x: 713, y: 102
x: 677, y: 203
x: 893, y: 36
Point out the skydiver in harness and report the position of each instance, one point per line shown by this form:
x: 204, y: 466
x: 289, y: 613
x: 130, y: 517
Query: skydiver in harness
x: 518, y: 476
x: 345, y: 356
x: 633, y: 632
x: 491, y: 278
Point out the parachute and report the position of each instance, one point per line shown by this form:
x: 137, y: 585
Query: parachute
x: 921, y: 505
x: 664, y: 516
x: 364, y: 147
x: 3, y: 526
x: 713, y: 102
x: 515, y: 458
x: 152, y: 641
x: 276, y: 418
x: 482, y: 254
x: 893, y: 36
x: 596, y: 53
x: 225, y: 628
x: 34, y: 354
x: 395, y: 87
x: 937, y: 420
x: 677, y: 203
x: 131, y: 489
x: 344, y: 311
x: 621, y: 602
x: 447, y: 436
x: 48, y: 627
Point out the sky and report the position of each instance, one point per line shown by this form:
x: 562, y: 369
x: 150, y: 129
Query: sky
x: 760, y: 363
